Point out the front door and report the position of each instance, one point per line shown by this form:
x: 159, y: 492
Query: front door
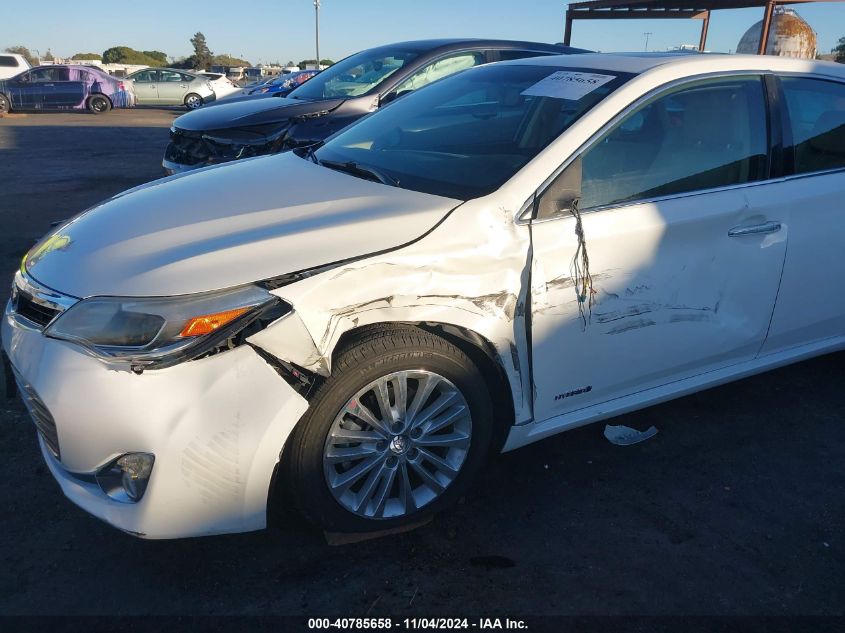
x: 669, y: 269
x: 28, y: 92
x: 146, y: 87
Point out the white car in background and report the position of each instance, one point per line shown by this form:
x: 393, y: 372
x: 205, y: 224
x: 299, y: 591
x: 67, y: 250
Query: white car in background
x: 514, y: 251
x: 12, y: 64
x: 222, y: 86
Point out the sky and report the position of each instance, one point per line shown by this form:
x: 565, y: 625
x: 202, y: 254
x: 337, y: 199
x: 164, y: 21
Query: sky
x: 265, y: 31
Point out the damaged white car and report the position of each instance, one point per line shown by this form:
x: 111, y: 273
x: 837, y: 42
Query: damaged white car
x: 512, y: 252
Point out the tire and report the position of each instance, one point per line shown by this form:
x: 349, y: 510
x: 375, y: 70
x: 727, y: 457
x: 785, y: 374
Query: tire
x: 98, y: 104
x: 193, y: 101
x: 408, y: 473
x: 5, y: 106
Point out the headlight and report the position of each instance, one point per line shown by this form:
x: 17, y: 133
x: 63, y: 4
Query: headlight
x: 160, y: 332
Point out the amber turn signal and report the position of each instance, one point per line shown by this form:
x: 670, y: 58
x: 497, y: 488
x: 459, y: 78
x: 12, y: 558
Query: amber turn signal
x: 208, y: 323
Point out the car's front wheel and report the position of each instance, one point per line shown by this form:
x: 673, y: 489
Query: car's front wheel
x: 99, y: 104
x: 394, y: 435
x: 5, y: 106
x: 193, y: 101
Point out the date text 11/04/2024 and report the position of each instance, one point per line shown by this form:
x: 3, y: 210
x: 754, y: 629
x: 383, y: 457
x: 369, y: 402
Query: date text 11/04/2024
x: 431, y: 624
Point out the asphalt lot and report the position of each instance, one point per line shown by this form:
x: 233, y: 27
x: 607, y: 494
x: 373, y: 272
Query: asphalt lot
x: 737, y: 506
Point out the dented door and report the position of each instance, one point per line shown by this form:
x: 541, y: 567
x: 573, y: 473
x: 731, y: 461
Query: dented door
x: 673, y: 266
x: 672, y: 296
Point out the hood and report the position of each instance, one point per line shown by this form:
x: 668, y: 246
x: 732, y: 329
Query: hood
x: 237, y: 98
x: 228, y: 225
x: 251, y: 112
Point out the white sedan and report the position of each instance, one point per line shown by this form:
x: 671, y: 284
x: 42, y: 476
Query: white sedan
x: 512, y: 252
x: 223, y: 86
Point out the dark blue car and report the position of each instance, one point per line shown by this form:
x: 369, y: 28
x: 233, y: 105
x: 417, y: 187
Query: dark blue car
x: 284, y: 83
x: 65, y: 88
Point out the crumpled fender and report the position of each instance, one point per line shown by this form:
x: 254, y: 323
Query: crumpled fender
x: 471, y: 271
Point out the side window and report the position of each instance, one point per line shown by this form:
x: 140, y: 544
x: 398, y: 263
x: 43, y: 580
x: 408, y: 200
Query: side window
x: 145, y: 76
x: 817, y: 116
x: 505, y: 56
x: 441, y: 68
x: 709, y: 134
x: 43, y: 75
x: 170, y: 76
x: 7, y: 61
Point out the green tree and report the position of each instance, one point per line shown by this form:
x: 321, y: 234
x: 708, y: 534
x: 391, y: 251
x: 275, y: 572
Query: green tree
x: 24, y: 52
x: 184, y: 62
x: 126, y: 55
x: 838, y: 52
x: 313, y: 62
x: 48, y: 56
x: 228, y: 60
x: 81, y: 56
x: 202, y: 54
x: 157, y: 55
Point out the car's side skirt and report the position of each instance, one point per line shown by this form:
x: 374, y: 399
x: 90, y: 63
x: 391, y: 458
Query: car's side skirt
x: 522, y: 435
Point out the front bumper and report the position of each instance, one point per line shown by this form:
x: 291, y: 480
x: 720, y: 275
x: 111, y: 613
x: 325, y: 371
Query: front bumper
x: 216, y: 427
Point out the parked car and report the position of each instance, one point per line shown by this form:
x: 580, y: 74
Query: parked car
x: 422, y: 295
x: 284, y: 84
x: 169, y: 86
x: 222, y: 86
x: 63, y: 87
x: 12, y: 64
x: 329, y: 102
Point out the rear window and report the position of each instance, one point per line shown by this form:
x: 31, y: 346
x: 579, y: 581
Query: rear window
x: 7, y: 61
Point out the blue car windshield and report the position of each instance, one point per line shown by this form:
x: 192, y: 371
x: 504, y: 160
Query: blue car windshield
x: 464, y: 136
x: 355, y: 75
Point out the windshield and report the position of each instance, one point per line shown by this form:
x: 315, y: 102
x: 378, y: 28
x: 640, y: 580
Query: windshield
x: 355, y: 75
x: 465, y: 136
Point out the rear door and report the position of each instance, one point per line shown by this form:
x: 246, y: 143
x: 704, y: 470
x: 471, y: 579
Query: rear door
x: 172, y: 87
x: 669, y: 270
x: 146, y: 87
x: 811, y: 305
x: 63, y: 92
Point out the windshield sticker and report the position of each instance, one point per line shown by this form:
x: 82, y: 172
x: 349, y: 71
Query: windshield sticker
x: 565, y: 84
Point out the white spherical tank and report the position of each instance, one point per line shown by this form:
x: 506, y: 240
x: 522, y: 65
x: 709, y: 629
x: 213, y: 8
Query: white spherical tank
x: 789, y: 36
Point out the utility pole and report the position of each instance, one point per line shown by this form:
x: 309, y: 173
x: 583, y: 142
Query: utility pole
x: 317, y: 29
x: 647, y: 35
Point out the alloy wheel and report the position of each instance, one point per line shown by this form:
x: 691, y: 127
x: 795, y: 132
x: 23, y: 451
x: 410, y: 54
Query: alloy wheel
x: 397, y: 444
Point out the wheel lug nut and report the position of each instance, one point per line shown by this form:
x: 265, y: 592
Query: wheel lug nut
x: 412, y: 453
x: 397, y: 427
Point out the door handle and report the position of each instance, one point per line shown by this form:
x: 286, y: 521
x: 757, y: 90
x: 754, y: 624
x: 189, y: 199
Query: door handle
x: 757, y: 229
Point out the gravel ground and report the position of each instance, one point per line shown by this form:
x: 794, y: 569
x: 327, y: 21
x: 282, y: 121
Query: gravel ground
x: 737, y: 506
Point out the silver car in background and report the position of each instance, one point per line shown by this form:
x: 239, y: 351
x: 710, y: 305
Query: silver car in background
x: 170, y: 86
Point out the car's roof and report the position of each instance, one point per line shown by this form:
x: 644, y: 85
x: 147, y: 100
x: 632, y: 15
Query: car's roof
x: 193, y: 73
x: 692, y: 62
x: 446, y: 44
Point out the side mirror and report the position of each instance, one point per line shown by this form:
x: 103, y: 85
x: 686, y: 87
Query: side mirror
x: 562, y: 195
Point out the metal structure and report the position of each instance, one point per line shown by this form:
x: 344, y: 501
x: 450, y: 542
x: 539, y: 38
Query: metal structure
x: 317, y: 29
x: 673, y: 9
